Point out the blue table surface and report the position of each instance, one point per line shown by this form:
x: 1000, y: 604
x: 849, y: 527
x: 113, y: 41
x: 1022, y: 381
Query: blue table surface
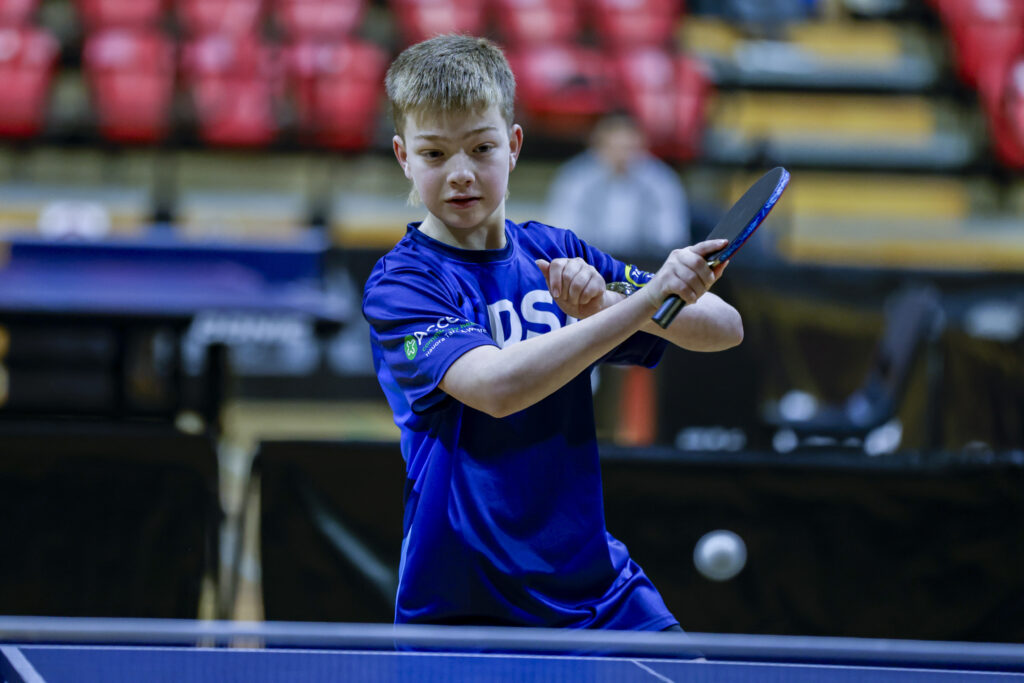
x: 65, y: 649
x: 112, y: 664
x: 164, y: 275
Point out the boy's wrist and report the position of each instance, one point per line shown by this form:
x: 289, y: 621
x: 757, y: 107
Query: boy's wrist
x: 627, y: 290
x: 624, y: 288
x: 610, y: 298
x: 649, y: 297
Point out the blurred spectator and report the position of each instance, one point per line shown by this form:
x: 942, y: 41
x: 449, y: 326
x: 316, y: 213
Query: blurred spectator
x: 618, y: 196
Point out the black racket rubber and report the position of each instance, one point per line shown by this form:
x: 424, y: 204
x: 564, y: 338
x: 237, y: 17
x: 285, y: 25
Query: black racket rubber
x: 737, y: 226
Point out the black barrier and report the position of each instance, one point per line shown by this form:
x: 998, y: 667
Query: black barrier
x: 839, y: 544
x: 330, y: 529
x: 99, y: 523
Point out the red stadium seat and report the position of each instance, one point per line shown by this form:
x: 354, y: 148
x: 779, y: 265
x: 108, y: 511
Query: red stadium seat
x: 101, y: 14
x: 532, y: 22
x: 131, y: 74
x: 28, y: 57
x: 319, y: 19
x: 232, y: 83
x: 421, y: 19
x: 230, y: 17
x: 1006, y: 119
x: 337, y: 89
x: 667, y: 94
x: 562, y: 89
x: 954, y: 12
x: 989, y: 54
x: 986, y: 36
x: 15, y: 13
x: 631, y: 23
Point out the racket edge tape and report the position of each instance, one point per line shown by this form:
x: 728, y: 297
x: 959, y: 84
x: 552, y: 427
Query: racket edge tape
x: 670, y: 308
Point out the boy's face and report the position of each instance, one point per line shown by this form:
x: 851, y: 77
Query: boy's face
x: 460, y: 166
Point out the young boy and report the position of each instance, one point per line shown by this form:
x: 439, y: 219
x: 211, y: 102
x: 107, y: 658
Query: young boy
x: 470, y: 325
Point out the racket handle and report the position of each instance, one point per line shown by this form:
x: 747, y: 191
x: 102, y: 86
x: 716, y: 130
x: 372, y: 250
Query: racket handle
x: 670, y: 307
x: 672, y: 304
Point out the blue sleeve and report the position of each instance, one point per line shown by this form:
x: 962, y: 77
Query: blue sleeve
x: 419, y: 331
x: 642, y: 348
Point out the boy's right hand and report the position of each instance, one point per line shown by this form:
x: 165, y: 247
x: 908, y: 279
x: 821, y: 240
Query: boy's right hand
x: 575, y: 285
x: 686, y: 273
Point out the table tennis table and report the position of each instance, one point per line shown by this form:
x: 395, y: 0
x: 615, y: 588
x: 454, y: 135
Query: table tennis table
x: 214, y: 292
x: 37, y: 650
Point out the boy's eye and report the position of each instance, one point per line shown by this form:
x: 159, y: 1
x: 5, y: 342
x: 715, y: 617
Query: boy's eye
x: 431, y: 153
x: 484, y: 148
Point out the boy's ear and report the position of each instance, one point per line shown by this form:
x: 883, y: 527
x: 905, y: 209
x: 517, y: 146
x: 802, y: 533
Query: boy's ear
x: 398, y: 145
x: 515, y: 144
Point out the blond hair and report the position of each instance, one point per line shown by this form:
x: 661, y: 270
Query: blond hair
x: 450, y: 74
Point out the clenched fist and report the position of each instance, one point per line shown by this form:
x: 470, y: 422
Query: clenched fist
x: 575, y: 285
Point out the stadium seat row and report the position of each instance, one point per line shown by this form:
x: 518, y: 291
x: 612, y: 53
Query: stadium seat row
x: 235, y: 83
x: 298, y: 18
x: 563, y: 87
x: 617, y: 23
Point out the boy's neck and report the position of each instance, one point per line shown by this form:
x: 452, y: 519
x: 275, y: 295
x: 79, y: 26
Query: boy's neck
x: 490, y: 235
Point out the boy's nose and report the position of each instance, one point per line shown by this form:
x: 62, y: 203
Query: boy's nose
x: 461, y: 173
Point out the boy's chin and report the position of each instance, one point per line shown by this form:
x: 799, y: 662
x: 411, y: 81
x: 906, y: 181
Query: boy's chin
x: 468, y: 218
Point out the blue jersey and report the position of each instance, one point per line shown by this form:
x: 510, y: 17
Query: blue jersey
x: 504, y: 519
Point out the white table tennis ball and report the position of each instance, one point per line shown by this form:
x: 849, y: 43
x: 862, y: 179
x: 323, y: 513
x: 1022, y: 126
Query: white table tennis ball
x: 720, y: 555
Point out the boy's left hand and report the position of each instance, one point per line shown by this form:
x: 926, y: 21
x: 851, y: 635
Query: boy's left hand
x: 576, y: 286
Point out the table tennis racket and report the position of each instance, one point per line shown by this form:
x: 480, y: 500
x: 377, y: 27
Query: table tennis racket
x: 736, y: 226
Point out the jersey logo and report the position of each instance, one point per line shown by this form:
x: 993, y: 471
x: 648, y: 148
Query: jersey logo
x: 411, y: 347
x: 536, y: 309
x: 637, y: 277
x: 445, y: 328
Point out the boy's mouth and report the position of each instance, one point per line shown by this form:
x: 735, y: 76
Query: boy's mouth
x: 462, y: 202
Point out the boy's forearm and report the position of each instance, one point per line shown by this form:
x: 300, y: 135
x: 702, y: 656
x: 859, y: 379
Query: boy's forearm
x: 504, y: 381
x: 709, y: 325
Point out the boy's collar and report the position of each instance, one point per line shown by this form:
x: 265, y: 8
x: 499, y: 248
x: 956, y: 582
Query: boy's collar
x: 479, y: 238
x: 468, y: 255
